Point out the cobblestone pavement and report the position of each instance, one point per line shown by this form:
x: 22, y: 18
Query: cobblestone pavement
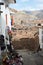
x: 31, y: 58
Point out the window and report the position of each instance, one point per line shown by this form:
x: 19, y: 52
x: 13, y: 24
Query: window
x: 1, y: 3
x: 39, y: 24
x: 15, y: 1
x: 0, y: 7
x: 0, y: 10
x: 42, y: 39
x: 21, y: 22
x: 42, y: 35
x: 42, y: 31
x: 0, y: 14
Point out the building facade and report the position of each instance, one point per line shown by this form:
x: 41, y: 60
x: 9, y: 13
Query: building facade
x: 5, y: 19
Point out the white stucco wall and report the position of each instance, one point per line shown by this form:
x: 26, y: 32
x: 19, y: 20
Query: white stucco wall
x: 8, y: 18
x: 40, y: 37
x: 3, y: 20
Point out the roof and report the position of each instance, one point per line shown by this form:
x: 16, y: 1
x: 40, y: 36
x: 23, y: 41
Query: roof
x: 8, y: 1
x: 11, y: 1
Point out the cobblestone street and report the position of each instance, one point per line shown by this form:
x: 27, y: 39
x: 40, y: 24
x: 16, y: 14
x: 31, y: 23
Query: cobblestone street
x: 32, y: 58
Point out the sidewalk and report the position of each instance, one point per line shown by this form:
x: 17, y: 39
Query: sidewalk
x: 41, y: 53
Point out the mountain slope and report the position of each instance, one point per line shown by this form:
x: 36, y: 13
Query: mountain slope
x: 38, y: 13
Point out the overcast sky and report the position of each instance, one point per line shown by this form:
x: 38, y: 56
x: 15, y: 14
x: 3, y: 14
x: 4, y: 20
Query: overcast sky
x: 28, y: 5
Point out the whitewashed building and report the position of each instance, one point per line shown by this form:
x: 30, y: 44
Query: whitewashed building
x: 5, y: 19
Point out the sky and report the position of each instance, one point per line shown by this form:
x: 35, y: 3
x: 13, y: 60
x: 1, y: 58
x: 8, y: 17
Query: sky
x: 28, y: 5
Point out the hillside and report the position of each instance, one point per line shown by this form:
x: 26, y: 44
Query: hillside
x: 28, y: 18
x: 37, y: 13
x: 25, y: 32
